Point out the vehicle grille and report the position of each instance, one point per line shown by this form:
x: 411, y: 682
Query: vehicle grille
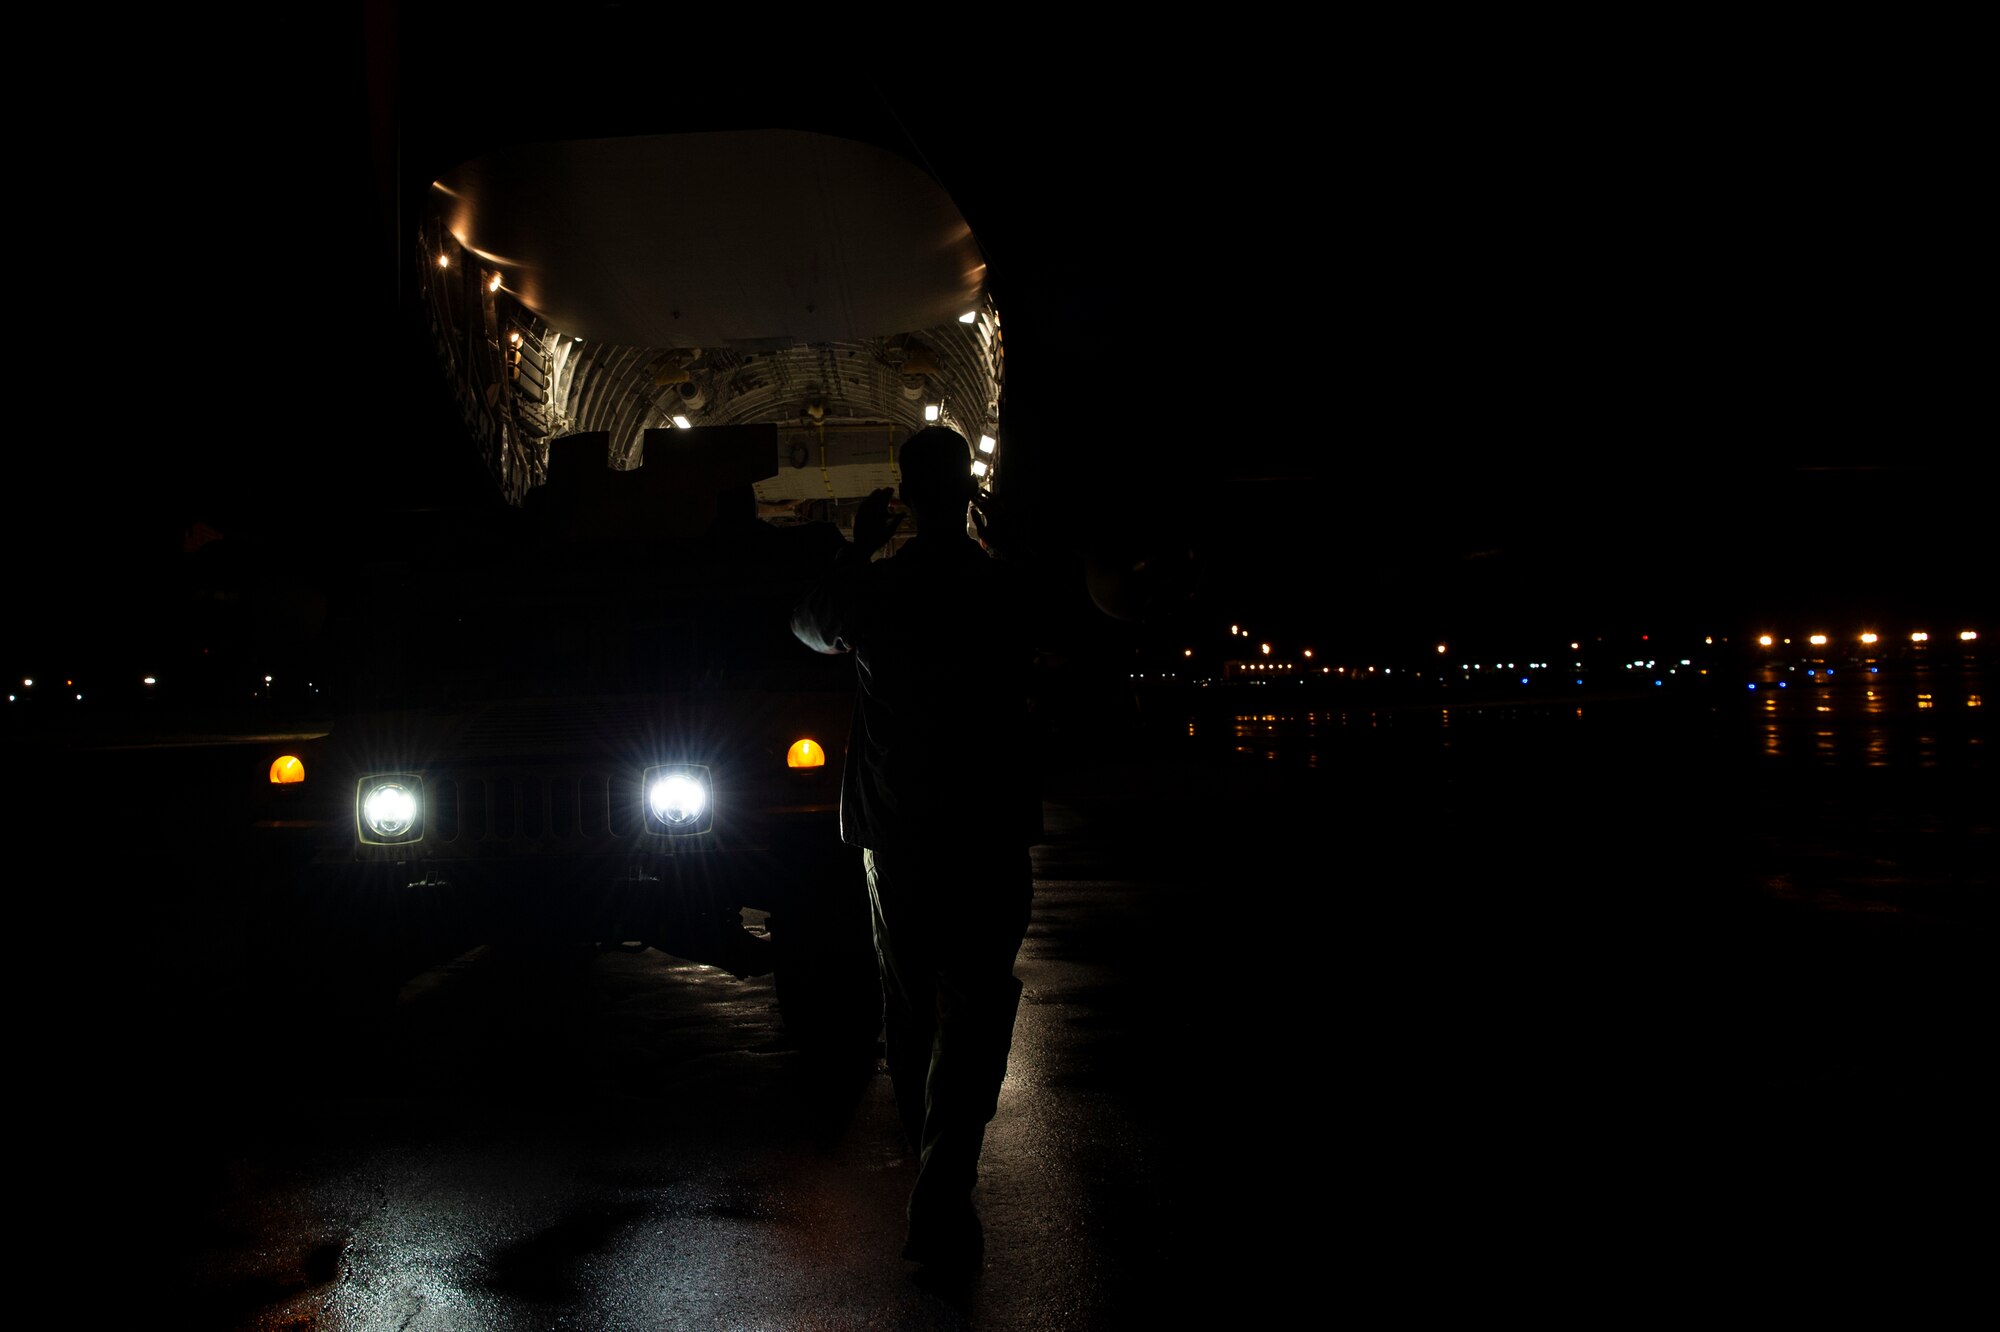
x: 528, y: 811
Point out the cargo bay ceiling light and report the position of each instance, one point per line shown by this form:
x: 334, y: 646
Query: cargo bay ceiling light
x: 930, y: 411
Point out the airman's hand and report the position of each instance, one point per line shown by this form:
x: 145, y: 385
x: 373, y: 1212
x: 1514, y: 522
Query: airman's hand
x: 874, y: 525
x: 990, y: 522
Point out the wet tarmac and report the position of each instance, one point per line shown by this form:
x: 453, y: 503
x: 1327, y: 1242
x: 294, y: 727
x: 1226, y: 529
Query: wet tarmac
x: 1665, y: 1011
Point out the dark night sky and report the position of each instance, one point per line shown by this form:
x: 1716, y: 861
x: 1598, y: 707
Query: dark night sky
x: 1402, y: 334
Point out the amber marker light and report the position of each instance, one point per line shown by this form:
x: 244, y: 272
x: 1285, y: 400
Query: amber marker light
x: 287, y: 771
x: 805, y: 754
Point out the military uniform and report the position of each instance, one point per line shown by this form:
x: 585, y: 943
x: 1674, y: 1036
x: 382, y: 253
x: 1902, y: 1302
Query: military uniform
x: 939, y: 789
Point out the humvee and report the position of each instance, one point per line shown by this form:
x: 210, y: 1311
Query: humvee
x: 578, y: 716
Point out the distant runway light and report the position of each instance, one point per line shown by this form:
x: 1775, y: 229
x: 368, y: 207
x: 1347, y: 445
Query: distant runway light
x: 1966, y: 635
x: 1817, y: 640
x: 1764, y: 640
x: 1868, y: 638
x: 1920, y: 637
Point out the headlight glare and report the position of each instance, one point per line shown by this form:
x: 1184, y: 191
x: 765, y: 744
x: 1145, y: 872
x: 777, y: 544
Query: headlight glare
x: 678, y: 799
x: 389, y: 808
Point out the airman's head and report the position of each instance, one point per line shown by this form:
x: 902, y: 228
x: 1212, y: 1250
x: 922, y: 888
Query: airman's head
x: 936, y: 464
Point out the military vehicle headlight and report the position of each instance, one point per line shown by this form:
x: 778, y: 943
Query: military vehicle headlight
x: 677, y: 799
x: 389, y: 808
